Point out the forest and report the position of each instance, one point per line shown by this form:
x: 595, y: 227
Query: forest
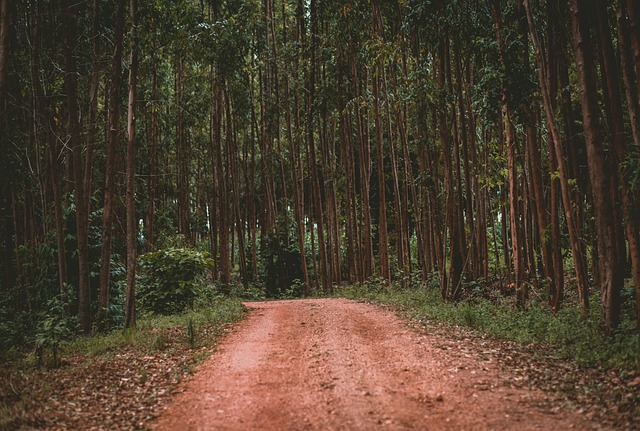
x: 295, y: 146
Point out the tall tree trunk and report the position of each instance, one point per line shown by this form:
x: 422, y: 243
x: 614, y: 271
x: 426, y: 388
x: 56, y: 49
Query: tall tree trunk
x: 132, y: 233
x: 468, y: 160
x: 6, y: 213
x: 627, y: 19
x: 600, y: 170
x: 364, y: 162
x: 153, y: 156
x: 93, y: 102
x: 221, y: 204
x: 401, y: 231
x: 73, y: 131
x: 184, y: 199
x: 451, y: 283
x: 610, y: 74
x: 383, y: 238
x: 297, y: 182
x: 109, y: 205
x: 233, y: 152
x: 6, y: 8
x: 534, y: 162
x: 325, y: 275
x: 576, y: 244
x: 517, y: 249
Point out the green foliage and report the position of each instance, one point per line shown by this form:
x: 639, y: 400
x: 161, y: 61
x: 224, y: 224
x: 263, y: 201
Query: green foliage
x: 13, y: 328
x: 53, y: 330
x: 573, y: 335
x: 169, y: 279
x: 160, y: 332
x: 253, y: 292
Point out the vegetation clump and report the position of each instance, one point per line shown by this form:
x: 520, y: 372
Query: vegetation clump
x: 573, y: 334
x: 169, y: 279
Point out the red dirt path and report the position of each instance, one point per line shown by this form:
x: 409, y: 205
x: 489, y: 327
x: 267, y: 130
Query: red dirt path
x: 334, y: 364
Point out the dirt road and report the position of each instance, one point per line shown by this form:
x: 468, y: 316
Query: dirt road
x: 333, y: 364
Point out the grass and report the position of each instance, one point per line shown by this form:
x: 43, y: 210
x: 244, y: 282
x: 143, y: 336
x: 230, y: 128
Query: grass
x: 201, y: 326
x: 574, y: 336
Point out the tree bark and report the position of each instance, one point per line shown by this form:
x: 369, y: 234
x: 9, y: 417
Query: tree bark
x: 610, y: 74
x: 184, y: 205
x: 132, y: 232
x: 600, y: 170
x: 517, y: 249
x: 73, y: 131
x: 6, y: 8
x: 568, y: 203
x: 153, y: 156
x: 109, y: 205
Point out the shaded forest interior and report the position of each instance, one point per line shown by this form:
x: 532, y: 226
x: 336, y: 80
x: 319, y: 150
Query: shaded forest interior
x: 298, y: 145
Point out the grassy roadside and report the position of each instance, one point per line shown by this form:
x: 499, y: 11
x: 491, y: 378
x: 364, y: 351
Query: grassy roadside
x: 117, y: 380
x: 572, y: 335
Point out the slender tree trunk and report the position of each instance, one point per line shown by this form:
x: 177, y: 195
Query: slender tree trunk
x: 73, y: 131
x: 467, y: 161
x: 184, y: 199
x: 402, y: 236
x: 93, y: 103
x: 54, y: 173
x: 6, y: 213
x: 610, y: 74
x: 449, y: 285
x: 627, y: 19
x: 364, y: 162
x: 153, y: 156
x: 6, y: 8
x: 517, y: 248
x: 297, y: 183
x: 383, y: 239
x: 132, y: 232
x: 572, y: 225
x: 611, y: 277
x: 311, y: 149
x: 222, y: 201
x: 113, y: 137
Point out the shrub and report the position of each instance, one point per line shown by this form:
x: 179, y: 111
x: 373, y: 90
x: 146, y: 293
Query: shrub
x: 169, y: 279
x: 53, y: 330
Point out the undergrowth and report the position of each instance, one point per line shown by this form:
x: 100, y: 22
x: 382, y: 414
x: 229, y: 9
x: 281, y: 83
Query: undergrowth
x: 198, y: 327
x: 573, y: 335
x: 154, y: 332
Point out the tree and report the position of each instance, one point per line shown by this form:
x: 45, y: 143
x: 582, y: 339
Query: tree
x: 132, y: 232
x: 113, y: 137
x: 73, y: 132
x: 601, y: 172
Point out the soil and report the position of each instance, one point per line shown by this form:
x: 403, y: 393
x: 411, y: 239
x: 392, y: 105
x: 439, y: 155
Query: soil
x: 344, y: 365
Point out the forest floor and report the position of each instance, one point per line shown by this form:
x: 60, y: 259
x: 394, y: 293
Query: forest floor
x: 343, y: 365
x: 317, y: 364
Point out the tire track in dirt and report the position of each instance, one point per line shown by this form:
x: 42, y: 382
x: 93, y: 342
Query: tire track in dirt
x: 342, y: 365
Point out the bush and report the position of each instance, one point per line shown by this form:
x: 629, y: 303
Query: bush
x: 53, y: 330
x: 169, y: 279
